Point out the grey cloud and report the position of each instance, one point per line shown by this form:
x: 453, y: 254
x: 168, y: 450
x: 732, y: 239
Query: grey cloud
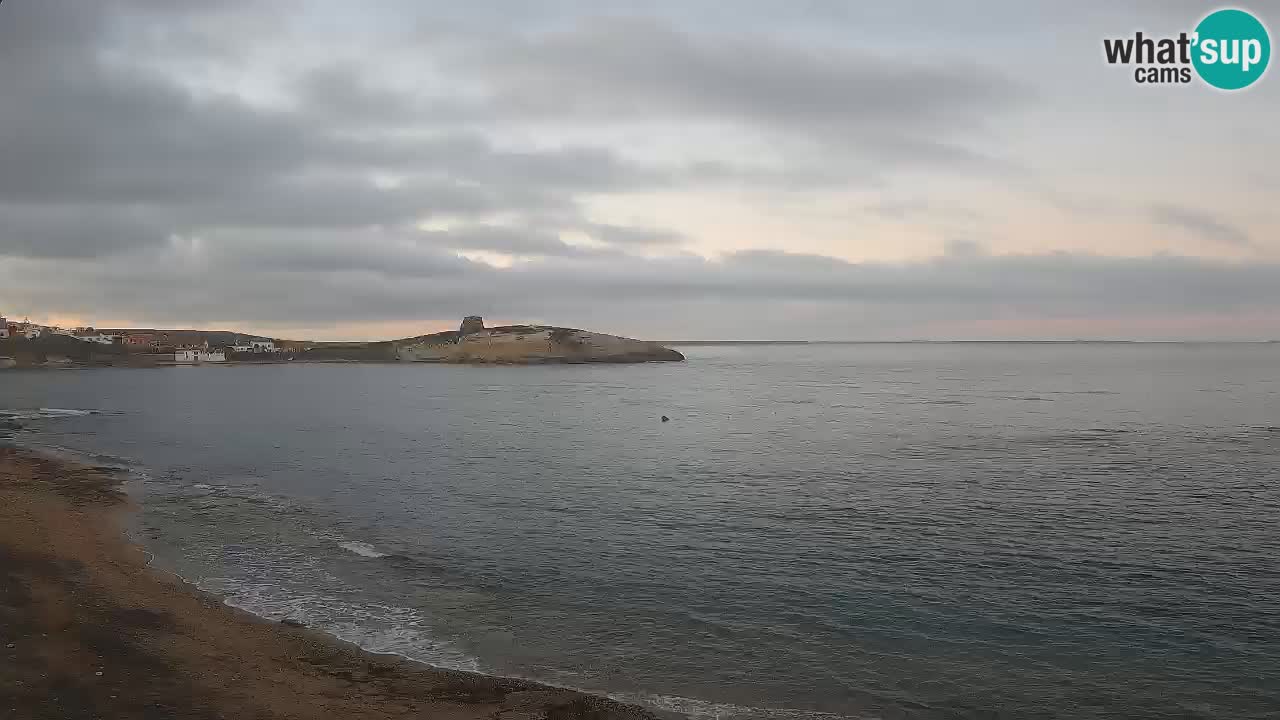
x: 314, y: 254
x: 128, y: 141
x: 470, y: 157
x: 119, y: 158
x: 108, y: 137
x: 632, y: 236
x: 579, y: 168
x: 55, y: 231
x: 542, y: 238
x: 344, y: 93
x: 635, y: 69
x: 94, y: 149
x: 811, y: 174
x: 341, y: 202
x: 1088, y: 283
x: 325, y: 280
x: 641, y: 65
x: 505, y: 240
x: 964, y: 248
x: 915, y: 208
x: 34, y: 34
x: 1200, y: 224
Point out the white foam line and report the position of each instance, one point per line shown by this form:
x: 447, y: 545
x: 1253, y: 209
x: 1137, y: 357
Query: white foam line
x: 362, y: 549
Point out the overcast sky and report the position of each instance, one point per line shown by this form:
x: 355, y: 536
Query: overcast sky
x: 668, y: 170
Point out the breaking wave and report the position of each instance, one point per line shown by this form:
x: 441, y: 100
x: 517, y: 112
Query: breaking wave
x: 362, y: 549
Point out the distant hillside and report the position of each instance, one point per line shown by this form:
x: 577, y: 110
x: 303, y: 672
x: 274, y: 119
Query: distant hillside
x: 471, y: 343
x: 215, y: 338
x: 46, y: 347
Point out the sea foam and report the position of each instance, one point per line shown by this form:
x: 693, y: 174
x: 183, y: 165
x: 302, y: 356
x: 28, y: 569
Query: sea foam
x: 362, y: 549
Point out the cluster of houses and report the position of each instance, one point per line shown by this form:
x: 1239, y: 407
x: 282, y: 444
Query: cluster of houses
x: 188, y: 347
x: 24, y: 329
x: 185, y: 347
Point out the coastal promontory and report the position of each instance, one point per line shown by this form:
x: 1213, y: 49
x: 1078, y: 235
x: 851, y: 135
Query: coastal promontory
x: 472, y: 342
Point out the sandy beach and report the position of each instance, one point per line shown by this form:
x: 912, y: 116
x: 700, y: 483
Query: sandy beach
x: 88, y: 630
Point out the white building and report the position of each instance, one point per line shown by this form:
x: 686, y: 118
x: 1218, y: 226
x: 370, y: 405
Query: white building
x: 254, y: 346
x: 195, y: 357
x: 99, y: 338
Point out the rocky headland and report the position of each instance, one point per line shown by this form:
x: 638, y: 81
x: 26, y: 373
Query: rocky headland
x: 528, y: 344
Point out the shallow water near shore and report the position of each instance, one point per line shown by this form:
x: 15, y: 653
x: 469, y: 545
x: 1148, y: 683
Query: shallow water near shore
x: 879, y: 530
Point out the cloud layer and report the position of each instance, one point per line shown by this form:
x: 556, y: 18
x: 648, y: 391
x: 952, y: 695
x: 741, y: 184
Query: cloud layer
x: 169, y: 164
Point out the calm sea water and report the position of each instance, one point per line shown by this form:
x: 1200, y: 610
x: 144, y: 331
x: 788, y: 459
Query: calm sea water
x: 892, y: 531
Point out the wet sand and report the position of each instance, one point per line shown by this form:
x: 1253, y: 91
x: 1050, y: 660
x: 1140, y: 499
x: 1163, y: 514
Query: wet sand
x: 87, y: 630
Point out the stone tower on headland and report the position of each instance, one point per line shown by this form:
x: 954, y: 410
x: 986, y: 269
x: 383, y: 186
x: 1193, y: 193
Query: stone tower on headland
x: 471, y: 324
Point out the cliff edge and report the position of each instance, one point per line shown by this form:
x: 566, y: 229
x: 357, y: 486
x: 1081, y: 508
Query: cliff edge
x: 527, y: 345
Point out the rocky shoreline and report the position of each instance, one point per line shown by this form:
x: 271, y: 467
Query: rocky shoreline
x: 89, y: 630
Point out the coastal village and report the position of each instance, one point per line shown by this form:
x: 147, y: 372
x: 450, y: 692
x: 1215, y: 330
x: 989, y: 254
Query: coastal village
x: 51, y: 345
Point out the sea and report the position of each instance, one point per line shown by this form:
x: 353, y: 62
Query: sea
x: 914, y: 530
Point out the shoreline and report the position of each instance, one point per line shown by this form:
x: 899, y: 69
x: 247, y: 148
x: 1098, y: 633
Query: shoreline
x: 89, y: 629
x: 309, y: 361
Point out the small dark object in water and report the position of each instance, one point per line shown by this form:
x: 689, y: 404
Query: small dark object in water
x: 665, y: 418
x: 293, y: 623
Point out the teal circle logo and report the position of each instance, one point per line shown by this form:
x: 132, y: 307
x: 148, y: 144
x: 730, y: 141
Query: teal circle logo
x: 1232, y: 49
